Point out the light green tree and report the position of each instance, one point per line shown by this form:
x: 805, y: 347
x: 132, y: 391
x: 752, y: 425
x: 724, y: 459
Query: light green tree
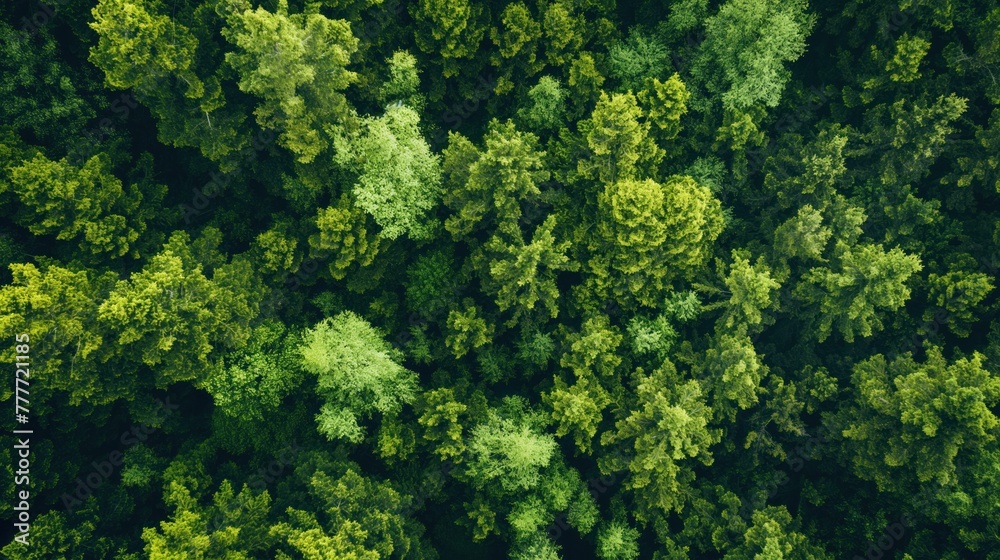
x: 621, y: 147
x: 751, y: 290
x: 617, y: 541
x: 358, y: 375
x: 577, y: 409
x: 440, y: 415
x: 403, y: 82
x: 735, y: 372
x: 960, y: 293
x: 664, y: 104
x: 802, y: 236
x: 399, y: 179
x: 648, y: 234
x: 517, y: 37
x: 747, y: 44
x: 509, y: 449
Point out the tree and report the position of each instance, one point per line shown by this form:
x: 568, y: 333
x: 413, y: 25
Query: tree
x: 578, y: 409
x: 297, y: 65
x: 87, y: 204
x: 664, y: 104
x: 648, y: 234
x: 802, y: 236
x: 657, y: 438
x: 735, y: 373
x: 617, y: 541
x: 917, y: 131
x: 404, y: 81
x: 358, y: 374
x: 524, y: 275
x: 142, y: 57
x: 141, y: 48
x: 909, y: 422
x: 449, y: 29
x: 959, y: 293
x: 399, y: 179
x: 58, y: 307
x: 344, y: 237
x: 747, y: 43
x: 466, y: 330
x: 639, y: 58
x: 345, y: 514
x: 751, y: 289
x: 518, y: 40
x: 251, y: 383
x: 179, y: 307
x: 439, y: 415
x: 810, y: 174
x: 563, y: 32
x: 485, y: 189
x: 621, y: 146
x: 276, y: 251
x: 42, y: 95
x: 508, y: 448
x: 233, y: 527
x: 545, y: 108
x: 585, y: 80
x: 849, y: 296
x: 773, y: 534
x: 53, y: 536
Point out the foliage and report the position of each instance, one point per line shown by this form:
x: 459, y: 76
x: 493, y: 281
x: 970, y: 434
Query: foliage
x: 358, y: 373
x: 585, y: 279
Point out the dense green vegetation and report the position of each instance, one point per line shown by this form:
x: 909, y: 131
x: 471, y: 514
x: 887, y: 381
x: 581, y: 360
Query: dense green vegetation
x: 373, y: 279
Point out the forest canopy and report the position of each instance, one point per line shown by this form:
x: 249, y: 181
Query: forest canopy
x: 526, y: 279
